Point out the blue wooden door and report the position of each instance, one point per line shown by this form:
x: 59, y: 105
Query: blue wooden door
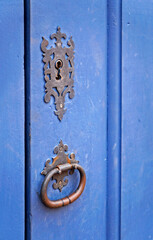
x: 108, y: 124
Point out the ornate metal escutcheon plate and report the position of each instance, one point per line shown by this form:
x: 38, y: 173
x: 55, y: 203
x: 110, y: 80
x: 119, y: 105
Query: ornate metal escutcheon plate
x: 58, y: 71
x: 60, y: 159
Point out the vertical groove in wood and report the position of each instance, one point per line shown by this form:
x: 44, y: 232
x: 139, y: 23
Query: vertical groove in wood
x: 114, y: 111
x: 27, y: 118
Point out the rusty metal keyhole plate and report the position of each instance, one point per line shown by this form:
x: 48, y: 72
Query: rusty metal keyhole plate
x: 58, y: 71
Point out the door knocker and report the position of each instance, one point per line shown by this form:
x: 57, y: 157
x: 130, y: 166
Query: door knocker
x: 61, y: 166
x: 58, y: 71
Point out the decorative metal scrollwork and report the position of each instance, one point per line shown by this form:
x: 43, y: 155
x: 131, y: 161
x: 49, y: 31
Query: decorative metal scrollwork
x: 61, y: 166
x: 61, y: 158
x: 58, y: 70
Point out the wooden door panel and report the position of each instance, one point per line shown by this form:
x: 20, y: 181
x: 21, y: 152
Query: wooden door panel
x: 83, y: 127
x: 12, y: 120
x: 137, y: 115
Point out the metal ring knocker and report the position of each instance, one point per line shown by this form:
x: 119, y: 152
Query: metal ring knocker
x: 69, y: 199
x: 60, y: 167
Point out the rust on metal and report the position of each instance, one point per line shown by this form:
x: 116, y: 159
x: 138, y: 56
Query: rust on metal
x: 60, y: 168
x: 69, y: 199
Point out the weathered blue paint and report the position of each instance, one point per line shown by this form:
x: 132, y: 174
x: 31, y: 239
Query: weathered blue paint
x: 137, y: 119
x: 83, y: 126
x: 12, y: 120
x: 108, y: 125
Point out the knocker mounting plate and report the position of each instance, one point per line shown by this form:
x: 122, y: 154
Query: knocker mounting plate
x: 61, y: 166
x: 58, y: 71
x: 60, y: 159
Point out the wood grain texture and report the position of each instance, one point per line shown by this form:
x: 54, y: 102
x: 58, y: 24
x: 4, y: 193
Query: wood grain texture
x: 12, y: 120
x: 137, y: 127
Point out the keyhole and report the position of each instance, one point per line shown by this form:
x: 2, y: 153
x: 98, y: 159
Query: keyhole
x: 58, y: 66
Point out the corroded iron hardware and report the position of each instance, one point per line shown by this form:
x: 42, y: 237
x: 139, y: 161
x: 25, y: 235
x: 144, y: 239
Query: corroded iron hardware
x: 62, y: 166
x: 58, y: 70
